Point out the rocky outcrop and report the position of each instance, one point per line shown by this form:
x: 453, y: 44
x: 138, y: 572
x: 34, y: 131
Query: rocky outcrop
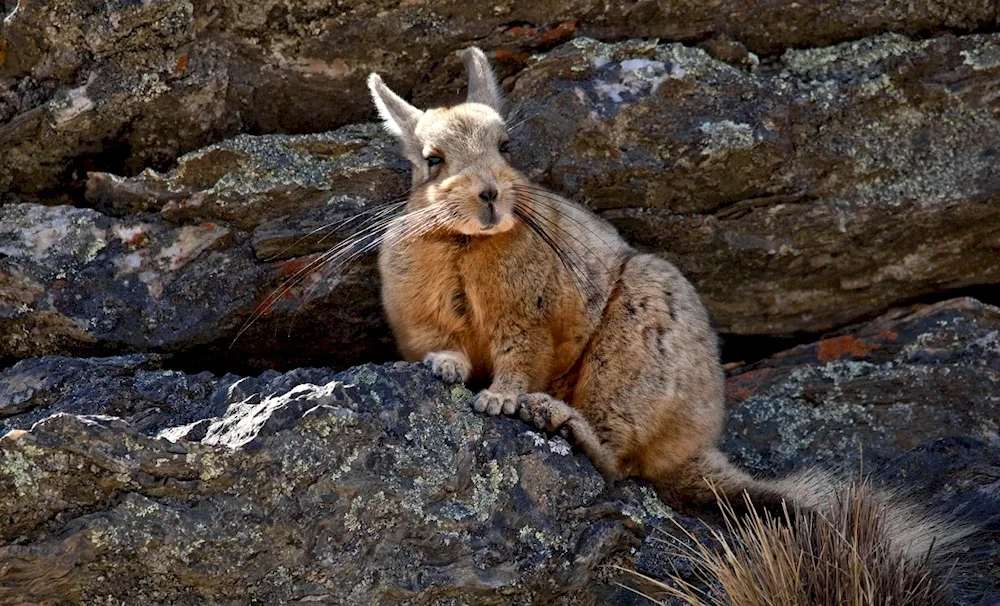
x: 123, y: 481
x: 378, y: 484
x: 170, y: 235
x: 912, y: 397
x: 802, y: 195
x: 125, y: 85
x: 799, y: 195
x: 185, y: 262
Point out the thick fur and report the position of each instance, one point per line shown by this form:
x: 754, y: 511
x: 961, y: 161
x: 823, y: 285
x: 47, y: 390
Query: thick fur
x: 854, y: 554
x: 486, y: 276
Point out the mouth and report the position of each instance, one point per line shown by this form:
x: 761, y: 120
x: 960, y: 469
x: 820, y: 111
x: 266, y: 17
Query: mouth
x: 489, y: 218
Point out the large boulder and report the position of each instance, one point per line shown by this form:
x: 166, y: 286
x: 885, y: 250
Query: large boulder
x: 877, y: 390
x: 125, y: 85
x: 820, y: 187
x: 912, y: 397
x: 122, y: 481
x: 378, y: 484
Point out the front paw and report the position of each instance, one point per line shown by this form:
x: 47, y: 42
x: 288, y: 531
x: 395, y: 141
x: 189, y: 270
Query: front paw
x: 448, y: 366
x: 494, y: 403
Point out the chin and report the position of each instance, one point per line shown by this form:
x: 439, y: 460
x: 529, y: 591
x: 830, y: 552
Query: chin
x: 500, y: 227
x: 477, y: 228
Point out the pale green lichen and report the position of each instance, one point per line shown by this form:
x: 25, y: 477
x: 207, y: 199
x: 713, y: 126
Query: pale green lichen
x: 487, y: 489
x: 726, y: 135
x: 799, y: 417
x: 825, y: 61
x: 549, y: 541
x: 985, y: 55
x: 266, y: 162
x: 365, y: 375
x: 653, y: 505
x: 460, y: 394
x: 940, y: 174
x: 211, y: 465
x: 818, y: 73
x: 21, y: 469
x: 371, y: 505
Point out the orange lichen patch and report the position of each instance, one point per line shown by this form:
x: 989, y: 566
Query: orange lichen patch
x: 181, y: 64
x: 132, y: 236
x: 522, y: 31
x: 137, y: 241
x: 292, y: 267
x: 3, y: 51
x: 208, y: 226
x: 836, y: 348
x: 563, y: 31
x: 743, y: 386
x: 888, y: 335
x: 506, y: 54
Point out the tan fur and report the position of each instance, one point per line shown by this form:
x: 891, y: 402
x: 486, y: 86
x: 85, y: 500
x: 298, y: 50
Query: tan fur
x: 630, y: 350
x: 851, y: 555
x: 604, y: 344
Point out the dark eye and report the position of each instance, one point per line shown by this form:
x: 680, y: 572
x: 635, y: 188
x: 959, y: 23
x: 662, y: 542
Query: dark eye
x: 433, y: 161
x: 505, y: 147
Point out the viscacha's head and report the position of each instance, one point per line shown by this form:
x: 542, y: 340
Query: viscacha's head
x: 462, y: 178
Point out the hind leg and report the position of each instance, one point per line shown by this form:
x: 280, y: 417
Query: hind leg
x: 649, y: 383
x: 549, y: 414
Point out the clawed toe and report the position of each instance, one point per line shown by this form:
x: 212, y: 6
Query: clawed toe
x: 545, y: 412
x: 493, y: 403
x: 447, y: 367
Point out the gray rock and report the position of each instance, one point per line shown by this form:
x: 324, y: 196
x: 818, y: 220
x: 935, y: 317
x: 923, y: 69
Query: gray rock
x: 824, y: 186
x: 882, y: 388
x: 821, y: 187
x: 124, y: 85
x: 121, y: 481
x: 375, y: 484
x: 229, y: 243
x: 912, y: 398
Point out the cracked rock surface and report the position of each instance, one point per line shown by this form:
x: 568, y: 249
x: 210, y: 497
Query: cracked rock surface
x: 374, y: 484
x: 125, y: 85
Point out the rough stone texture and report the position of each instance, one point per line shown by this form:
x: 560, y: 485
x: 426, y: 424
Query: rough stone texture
x: 181, y: 262
x: 825, y: 186
x: 371, y: 486
x: 884, y: 387
x: 802, y: 184
x: 820, y: 188
x: 121, y: 481
x: 913, y: 397
x: 123, y: 85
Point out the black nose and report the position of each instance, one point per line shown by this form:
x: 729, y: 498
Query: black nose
x: 488, y: 194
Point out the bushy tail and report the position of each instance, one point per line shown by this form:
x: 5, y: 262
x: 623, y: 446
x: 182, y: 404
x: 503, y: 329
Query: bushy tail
x: 812, y: 539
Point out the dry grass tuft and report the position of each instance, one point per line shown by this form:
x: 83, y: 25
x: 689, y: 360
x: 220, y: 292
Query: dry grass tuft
x: 860, y: 551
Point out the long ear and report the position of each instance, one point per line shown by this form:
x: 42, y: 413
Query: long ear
x: 482, y: 82
x: 400, y: 117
